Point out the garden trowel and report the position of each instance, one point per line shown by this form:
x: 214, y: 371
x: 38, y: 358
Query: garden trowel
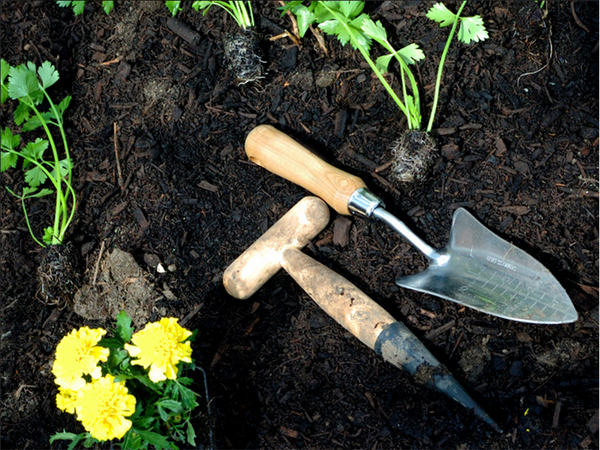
x: 476, y: 269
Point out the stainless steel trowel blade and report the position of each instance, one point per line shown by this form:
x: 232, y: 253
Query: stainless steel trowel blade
x: 491, y: 275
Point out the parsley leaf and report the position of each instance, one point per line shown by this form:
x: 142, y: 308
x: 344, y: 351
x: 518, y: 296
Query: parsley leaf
x: 27, y: 84
x: 439, y: 13
x: 4, y: 69
x: 9, y: 142
x: 48, y: 74
x: 472, y: 29
x: 108, y: 6
x: 22, y: 82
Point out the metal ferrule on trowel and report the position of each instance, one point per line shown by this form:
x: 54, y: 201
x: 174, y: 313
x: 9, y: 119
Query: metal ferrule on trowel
x: 363, y: 202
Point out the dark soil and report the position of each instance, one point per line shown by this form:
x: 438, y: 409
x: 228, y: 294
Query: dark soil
x: 518, y: 132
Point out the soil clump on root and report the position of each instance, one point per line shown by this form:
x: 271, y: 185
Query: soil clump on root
x: 412, y: 157
x: 242, y: 52
x: 58, y: 274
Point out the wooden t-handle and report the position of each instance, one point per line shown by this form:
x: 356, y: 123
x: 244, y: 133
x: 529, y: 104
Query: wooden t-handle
x: 280, y: 154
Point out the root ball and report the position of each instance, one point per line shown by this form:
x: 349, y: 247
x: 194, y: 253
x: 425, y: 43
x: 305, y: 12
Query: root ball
x: 242, y: 51
x: 413, y: 156
x: 58, y: 274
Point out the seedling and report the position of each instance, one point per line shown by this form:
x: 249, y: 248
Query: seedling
x: 346, y: 21
x: 241, y: 48
x: 239, y: 10
x: 43, y: 176
x: 471, y: 29
x: 79, y: 5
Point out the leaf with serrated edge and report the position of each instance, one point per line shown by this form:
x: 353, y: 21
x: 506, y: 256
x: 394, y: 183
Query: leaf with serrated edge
x: 304, y: 18
x: 351, y: 9
x: 332, y: 27
x: 48, y: 74
x: 411, y: 53
x: 472, y: 29
x: 8, y: 160
x: 374, y: 30
x: 191, y: 434
x: 64, y: 104
x: 439, y: 13
x: 48, y: 235
x: 124, y: 328
x: 41, y: 193
x: 360, y: 37
x: 34, y: 150
x: 155, y: 439
x: 22, y: 113
x: 65, y: 166
x: 108, y: 6
x: 78, y: 6
x: 35, y: 176
x: 9, y: 139
x: 383, y: 62
x: 21, y: 82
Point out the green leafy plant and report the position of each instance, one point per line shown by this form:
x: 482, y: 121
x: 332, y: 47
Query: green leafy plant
x: 471, y: 29
x: 241, y: 47
x: 239, y: 10
x: 130, y: 388
x: 346, y: 21
x: 79, y: 5
x: 43, y: 176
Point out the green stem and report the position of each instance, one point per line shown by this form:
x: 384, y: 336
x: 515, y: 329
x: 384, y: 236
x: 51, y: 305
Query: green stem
x: 405, y: 95
x: 245, y: 19
x: 28, y: 224
x: 251, y: 23
x: 66, y: 217
x: 60, y: 198
x: 385, y: 83
x: 23, y: 197
x: 365, y: 54
x: 438, y: 79
x: 238, y: 11
x: 413, y: 83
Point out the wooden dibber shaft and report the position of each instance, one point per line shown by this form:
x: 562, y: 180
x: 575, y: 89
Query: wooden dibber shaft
x: 375, y: 327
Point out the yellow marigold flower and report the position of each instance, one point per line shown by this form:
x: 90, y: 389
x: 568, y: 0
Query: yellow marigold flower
x: 76, y: 355
x: 65, y: 400
x: 160, y: 346
x: 102, y: 407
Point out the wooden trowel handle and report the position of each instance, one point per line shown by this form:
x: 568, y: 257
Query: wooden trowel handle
x: 283, y: 156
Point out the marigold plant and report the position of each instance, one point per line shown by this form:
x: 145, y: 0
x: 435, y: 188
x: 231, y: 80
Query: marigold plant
x: 142, y: 402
